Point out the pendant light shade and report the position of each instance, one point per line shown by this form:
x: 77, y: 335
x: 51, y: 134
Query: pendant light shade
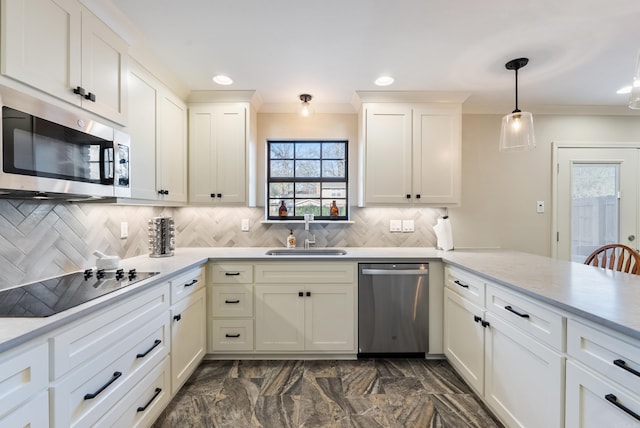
x: 634, y: 97
x: 305, y: 106
x: 517, y: 133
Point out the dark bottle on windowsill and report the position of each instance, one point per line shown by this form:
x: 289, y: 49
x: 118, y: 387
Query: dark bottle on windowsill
x: 282, y: 211
x: 333, y: 211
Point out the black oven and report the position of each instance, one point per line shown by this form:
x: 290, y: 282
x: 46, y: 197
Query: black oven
x: 49, y: 150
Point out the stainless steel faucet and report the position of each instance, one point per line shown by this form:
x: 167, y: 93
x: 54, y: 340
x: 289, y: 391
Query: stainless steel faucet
x: 310, y: 239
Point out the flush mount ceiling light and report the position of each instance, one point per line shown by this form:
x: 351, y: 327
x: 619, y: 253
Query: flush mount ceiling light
x: 634, y: 97
x: 221, y: 79
x: 517, y: 128
x: 384, y: 81
x: 305, y: 107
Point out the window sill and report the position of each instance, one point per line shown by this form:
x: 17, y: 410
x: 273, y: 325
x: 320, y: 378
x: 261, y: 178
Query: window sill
x: 311, y: 222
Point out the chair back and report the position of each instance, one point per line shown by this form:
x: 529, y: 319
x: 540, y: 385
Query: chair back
x: 616, y: 257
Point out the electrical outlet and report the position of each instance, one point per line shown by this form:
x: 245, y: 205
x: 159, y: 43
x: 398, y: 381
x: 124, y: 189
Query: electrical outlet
x: 395, y: 225
x: 244, y: 225
x: 124, y: 230
x: 540, y: 207
x: 408, y: 226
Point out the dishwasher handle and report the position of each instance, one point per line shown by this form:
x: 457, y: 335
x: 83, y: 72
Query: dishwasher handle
x: 416, y: 272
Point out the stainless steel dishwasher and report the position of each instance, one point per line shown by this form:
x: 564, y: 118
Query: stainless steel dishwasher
x: 393, y: 310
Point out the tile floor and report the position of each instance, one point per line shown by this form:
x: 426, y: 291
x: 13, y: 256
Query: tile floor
x: 326, y: 393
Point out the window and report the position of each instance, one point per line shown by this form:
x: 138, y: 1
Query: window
x: 308, y: 176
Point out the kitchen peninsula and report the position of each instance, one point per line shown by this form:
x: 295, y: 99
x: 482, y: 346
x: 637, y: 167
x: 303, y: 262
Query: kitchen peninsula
x: 563, y: 314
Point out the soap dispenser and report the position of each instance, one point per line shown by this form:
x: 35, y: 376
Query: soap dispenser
x: 291, y: 240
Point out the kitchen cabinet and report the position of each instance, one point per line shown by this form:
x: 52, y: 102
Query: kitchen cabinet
x: 61, y: 48
x: 158, y: 129
x: 188, y: 325
x: 230, y: 295
x: 603, y: 377
x: 24, y: 378
x: 418, y: 148
x: 307, y: 307
x: 218, y: 135
x: 507, y: 347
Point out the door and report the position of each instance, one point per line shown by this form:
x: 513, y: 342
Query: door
x: 597, y: 194
x: 329, y: 318
x: 279, y: 317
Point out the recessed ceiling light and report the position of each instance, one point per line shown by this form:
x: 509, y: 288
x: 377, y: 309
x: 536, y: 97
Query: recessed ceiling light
x: 221, y: 79
x: 624, y: 90
x: 384, y: 81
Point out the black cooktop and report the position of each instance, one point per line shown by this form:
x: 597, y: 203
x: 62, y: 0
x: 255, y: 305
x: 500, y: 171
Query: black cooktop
x: 48, y: 297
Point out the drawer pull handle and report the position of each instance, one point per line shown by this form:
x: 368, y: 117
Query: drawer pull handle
x: 143, y: 408
x: 614, y: 400
x: 232, y: 301
x: 177, y: 317
x: 155, y: 344
x: 461, y: 284
x: 623, y: 365
x: 232, y: 273
x: 477, y: 318
x: 232, y: 335
x: 513, y: 311
x: 115, y: 377
x: 195, y: 281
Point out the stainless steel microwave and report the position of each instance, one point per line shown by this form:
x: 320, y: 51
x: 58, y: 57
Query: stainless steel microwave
x: 49, y: 152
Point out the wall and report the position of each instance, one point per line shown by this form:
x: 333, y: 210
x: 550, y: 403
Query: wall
x: 499, y: 191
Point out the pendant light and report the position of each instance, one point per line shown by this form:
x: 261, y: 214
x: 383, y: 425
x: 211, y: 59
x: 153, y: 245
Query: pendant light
x: 517, y: 128
x: 305, y: 107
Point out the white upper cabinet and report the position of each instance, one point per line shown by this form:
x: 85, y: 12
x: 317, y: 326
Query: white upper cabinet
x: 217, y: 153
x: 61, y: 48
x: 158, y: 129
x: 411, y: 153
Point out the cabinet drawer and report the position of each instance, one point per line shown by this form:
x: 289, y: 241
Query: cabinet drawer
x: 144, y: 403
x: 306, y: 273
x: 32, y: 414
x: 23, y: 372
x: 231, y: 273
x: 186, y: 284
x: 532, y: 317
x: 465, y: 284
x: 110, y: 376
x: 231, y: 335
x: 231, y: 301
x: 590, y: 401
x: 614, y: 356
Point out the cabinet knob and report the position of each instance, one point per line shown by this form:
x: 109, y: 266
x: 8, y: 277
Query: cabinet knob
x: 219, y: 195
x: 300, y: 294
x: 408, y: 196
x: 213, y: 195
x: 418, y: 196
x: 79, y: 90
x: 177, y: 317
x: 308, y: 293
x: 91, y: 97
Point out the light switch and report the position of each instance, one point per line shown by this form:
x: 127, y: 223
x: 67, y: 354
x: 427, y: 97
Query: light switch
x: 408, y: 226
x: 540, y: 207
x: 395, y: 225
x: 124, y: 230
x: 244, y: 225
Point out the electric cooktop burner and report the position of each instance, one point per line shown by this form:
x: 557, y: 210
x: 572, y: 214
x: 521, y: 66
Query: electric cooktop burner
x: 48, y: 297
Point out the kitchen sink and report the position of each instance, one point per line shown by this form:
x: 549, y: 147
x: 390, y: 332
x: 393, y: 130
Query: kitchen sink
x: 306, y: 252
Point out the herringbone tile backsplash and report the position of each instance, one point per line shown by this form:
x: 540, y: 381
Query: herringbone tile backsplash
x: 44, y: 239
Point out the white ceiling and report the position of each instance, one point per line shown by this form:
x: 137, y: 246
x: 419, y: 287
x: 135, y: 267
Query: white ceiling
x: 580, y: 51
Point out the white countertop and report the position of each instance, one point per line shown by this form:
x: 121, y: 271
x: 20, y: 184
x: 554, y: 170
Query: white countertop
x: 608, y: 298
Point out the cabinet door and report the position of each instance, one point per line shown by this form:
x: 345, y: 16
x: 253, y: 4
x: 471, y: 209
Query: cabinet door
x: 387, y: 158
x: 330, y: 318
x: 142, y: 129
x: 217, y: 153
x: 436, y: 155
x: 104, y: 69
x: 464, y: 338
x: 188, y: 337
x: 279, y: 317
x: 41, y: 45
x: 523, y: 378
x: 171, y: 162
x: 588, y: 401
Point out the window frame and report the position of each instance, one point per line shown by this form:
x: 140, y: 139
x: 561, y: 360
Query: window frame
x: 294, y: 180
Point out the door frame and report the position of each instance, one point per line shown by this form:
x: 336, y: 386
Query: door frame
x: 555, y: 146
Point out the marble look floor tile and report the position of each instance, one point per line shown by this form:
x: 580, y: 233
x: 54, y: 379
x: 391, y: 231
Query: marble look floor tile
x: 322, y: 402
x: 394, y: 368
x: 360, y: 379
x: 283, y: 379
x: 438, y: 377
x: 465, y: 407
x: 278, y: 411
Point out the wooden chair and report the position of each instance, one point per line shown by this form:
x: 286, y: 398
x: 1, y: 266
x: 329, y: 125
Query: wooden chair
x: 617, y: 257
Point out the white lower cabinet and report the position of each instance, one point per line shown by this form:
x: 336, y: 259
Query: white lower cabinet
x: 33, y: 414
x: 491, y: 345
x: 188, y: 326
